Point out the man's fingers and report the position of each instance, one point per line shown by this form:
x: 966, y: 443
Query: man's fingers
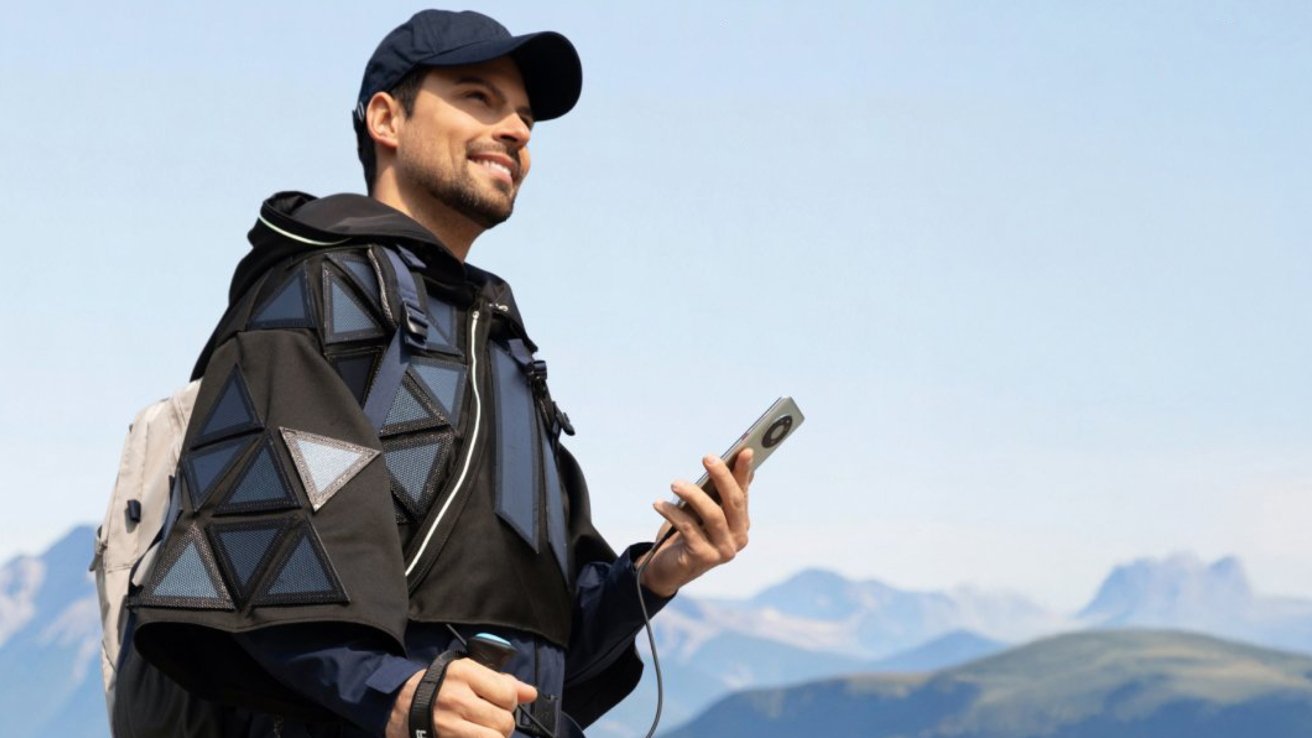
x: 704, y: 507
x: 733, y: 494
x: 742, y: 469
x: 493, y: 686
x: 685, y: 522
x: 475, y: 700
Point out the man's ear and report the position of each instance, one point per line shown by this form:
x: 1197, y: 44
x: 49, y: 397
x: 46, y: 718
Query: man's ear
x: 384, y: 118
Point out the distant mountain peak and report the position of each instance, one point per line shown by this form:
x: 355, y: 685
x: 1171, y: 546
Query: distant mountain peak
x: 1177, y: 589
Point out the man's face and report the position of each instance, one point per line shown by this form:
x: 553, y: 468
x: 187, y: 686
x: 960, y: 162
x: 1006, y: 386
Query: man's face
x: 466, y: 143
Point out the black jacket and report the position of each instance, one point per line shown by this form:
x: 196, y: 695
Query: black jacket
x: 291, y: 507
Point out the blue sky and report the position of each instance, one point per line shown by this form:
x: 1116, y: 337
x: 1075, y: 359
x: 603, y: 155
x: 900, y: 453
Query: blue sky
x: 1036, y: 272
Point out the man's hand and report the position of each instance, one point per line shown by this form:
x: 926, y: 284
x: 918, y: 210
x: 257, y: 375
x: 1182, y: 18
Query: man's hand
x: 709, y: 534
x: 474, y: 702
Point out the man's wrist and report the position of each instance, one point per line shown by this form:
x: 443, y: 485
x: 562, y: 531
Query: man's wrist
x: 398, y: 722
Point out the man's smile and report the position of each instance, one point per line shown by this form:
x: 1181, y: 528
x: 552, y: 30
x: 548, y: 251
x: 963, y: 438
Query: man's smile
x: 501, y: 166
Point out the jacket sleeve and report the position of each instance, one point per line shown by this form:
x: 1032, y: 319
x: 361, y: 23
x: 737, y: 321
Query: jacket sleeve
x: 602, y: 665
x: 283, y: 511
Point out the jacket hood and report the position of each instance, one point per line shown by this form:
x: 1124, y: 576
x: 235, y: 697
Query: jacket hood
x: 291, y: 222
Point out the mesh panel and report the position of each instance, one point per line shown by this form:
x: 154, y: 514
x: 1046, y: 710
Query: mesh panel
x: 187, y: 577
x: 302, y: 574
x: 232, y: 413
x: 244, y: 548
x: 347, y: 316
x: 206, y: 466
x: 444, y: 383
x: 557, y: 535
x: 326, y: 463
x: 407, y: 408
x: 415, y: 465
x: 411, y: 468
x: 287, y: 308
x: 516, y: 448
x: 363, y: 272
x: 261, y: 487
x: 441, y: 326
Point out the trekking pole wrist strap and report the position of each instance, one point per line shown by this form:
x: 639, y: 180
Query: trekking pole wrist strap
x: 421, y: 705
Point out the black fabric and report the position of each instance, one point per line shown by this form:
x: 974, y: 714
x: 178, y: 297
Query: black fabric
x: 346, y: 563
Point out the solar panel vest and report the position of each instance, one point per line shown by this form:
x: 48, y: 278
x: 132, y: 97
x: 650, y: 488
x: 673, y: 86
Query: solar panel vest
x: 290, y: 506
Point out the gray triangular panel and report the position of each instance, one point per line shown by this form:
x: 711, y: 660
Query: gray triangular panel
x: 325, y: 464
x: 445, y: 384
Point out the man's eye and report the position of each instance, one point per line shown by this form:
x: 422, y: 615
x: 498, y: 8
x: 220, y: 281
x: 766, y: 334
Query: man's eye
x: 479, y: 96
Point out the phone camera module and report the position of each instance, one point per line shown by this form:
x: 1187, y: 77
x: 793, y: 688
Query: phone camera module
x: 777, y: 432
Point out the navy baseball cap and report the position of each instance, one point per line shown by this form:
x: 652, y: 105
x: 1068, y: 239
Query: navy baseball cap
x: 553, y: 76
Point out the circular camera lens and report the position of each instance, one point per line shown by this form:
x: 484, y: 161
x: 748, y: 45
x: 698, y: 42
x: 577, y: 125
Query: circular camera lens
x: 777, y: 431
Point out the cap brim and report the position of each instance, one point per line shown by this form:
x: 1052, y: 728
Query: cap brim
x: 553, y: 75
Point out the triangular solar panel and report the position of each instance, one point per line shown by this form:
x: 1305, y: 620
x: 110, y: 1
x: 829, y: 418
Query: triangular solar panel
x: 303, y: 575
x: 325, y: 464
x: 441, y: 326
x: 411, y: 468
x: 347, y: 318
x: 407, y: 408
x: 205, y: 466
x: 288, y: 308
x: 363, y: 272
x: 245, y: 547
x: 557, y: 535
x: 445, y: 384
x: 232, y: 413
x: 261, y: 486
x: 187, y: 577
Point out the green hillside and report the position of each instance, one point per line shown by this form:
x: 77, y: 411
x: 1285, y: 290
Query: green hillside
x: 1105, y: 684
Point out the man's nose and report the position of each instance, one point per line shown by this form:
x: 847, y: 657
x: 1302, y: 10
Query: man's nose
x: 513, y: 131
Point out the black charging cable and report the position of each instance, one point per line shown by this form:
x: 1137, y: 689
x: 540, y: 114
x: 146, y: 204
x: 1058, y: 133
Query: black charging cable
x: 651, y: 639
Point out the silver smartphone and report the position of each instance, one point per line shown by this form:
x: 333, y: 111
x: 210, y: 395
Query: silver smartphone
x: 771, y: 429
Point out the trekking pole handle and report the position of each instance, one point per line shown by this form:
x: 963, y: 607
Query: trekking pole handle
x: 490, y: 651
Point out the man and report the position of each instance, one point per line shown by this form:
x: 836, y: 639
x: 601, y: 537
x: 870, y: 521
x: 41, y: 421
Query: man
x: 308, y: 586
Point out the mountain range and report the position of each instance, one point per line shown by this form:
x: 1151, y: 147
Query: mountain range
x: 814, y: 625
x: 1090, y: 684
x: 819, y: 623
x: 50, y: 681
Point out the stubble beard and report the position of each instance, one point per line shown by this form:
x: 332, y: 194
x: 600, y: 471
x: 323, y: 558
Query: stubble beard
x: 463, y: 194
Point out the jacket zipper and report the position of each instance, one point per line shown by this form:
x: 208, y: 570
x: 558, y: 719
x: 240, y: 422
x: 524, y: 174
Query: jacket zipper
x: 475, y: 350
